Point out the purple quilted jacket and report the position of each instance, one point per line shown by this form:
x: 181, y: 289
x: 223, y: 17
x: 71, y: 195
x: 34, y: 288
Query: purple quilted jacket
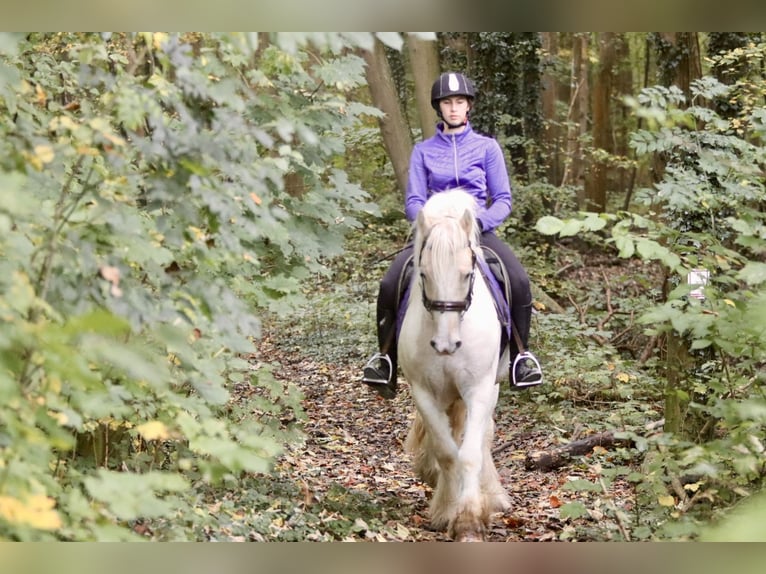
x: 467, y: 160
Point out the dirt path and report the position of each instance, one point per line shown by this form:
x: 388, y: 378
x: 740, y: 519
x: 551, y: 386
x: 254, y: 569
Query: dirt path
x: 354, y: 440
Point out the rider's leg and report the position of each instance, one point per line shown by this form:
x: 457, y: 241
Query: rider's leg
x: 526, y: 371
x: 380, y: 370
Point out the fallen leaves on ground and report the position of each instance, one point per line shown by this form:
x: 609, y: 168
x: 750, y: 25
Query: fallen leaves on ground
x: 354, y: 440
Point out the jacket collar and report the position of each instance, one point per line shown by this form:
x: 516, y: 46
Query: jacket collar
x: 440, y: 132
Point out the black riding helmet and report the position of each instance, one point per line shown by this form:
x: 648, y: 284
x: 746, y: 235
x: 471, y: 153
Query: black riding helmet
x: 451, y: 84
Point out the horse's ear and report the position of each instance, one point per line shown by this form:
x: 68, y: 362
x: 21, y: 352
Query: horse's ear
x: 467, y: 222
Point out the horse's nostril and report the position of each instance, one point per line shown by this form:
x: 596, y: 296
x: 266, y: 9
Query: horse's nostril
x: 458, y: 343
x: 433, y: 343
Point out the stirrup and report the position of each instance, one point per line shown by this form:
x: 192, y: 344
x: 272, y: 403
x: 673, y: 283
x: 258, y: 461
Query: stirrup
x: 526, y: 356
x: 371, y: 367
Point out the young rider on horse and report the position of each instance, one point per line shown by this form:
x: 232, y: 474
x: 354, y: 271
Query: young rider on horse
x: 455, y: 156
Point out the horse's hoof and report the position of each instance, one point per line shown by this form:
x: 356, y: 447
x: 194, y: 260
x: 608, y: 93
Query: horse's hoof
x: 467, y: 531
x: 470, y: 537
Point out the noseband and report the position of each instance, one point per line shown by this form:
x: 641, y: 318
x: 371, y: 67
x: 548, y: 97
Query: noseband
x: 448, y: 306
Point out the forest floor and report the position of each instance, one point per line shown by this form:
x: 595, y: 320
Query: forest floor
x: 351, y: 477
x: 354, y: 449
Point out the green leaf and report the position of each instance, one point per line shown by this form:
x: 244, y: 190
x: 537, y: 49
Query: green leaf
x: 581, y: 485
x: 753, y: 273
x: 573, y: 510
x: 625, y: 246
x: 594, y: 222
x: 549, y: 225
x: 130, y: 496
x: 648, y: 249
x: 744, y: 524
x: 571, y: 227
x: 701, y: 344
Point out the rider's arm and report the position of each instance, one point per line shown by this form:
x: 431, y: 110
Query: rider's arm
x: 417, y: 185
x: 498, y: 187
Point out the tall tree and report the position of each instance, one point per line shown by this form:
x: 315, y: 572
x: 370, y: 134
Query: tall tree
x: 424, y: 60
x: 549, y: 85
x: 678, y: 59
x: 595, y: 184
x: 396, y: 135
x: 678, y: 64
x: 577, y: 117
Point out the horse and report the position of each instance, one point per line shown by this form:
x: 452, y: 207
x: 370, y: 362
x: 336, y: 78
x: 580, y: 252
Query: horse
x: 449, y: 352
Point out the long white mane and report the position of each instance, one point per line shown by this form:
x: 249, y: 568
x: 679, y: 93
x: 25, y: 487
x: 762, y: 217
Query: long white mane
x: 447, y: 207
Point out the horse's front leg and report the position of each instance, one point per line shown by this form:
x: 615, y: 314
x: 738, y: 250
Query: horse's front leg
x: 474, y: 459
x: 440, y: 445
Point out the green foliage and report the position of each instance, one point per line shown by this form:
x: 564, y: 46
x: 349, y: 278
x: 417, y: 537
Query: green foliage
x: 706, y: 213
x: 157, y: 191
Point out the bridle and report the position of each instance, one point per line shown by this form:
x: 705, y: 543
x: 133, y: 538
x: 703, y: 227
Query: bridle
x: 448, y: 306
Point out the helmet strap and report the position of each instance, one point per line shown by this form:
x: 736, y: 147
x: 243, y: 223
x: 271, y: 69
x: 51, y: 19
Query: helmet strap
x: 453, y: 126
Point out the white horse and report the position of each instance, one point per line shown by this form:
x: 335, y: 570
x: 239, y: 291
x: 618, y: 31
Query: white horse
x: 449, y: 352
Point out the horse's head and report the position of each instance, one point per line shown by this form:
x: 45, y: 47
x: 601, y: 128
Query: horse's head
x: 446, y: 251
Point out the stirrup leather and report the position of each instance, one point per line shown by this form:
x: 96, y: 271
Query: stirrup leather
x: 526, y: 356
x: 371, y: 380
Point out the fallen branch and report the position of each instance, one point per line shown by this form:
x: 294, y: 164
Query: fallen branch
x: 551, y: 459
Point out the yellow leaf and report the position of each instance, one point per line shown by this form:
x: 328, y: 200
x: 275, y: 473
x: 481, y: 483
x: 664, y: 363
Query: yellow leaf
x: 42, y: 98
x: 37, y: 511
x: 60, y: 417
x: 62, y: 122
x: 729, y: 302
x: 87, y: 150
x: 692, y: 487
x: 158, y: 39
x: 666, y: 500
x: 623, y: 377
x: 44, y: 153
x: 153, y: 430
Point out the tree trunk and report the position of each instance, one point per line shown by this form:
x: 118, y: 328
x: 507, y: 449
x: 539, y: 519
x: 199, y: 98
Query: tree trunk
x: 678, y: 63
x: 623, y: 87
x: 531, y: 88
x: 577, y: 117
x: 595, y: 186
x: 396, y: 136
x: 549, y: 85
x: 424, y: 61
x: 639, y: 125
x: 678, y: 362
x: 678, y: 59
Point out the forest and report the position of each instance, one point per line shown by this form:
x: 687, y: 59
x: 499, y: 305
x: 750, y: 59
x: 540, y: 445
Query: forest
x: 194, y: 227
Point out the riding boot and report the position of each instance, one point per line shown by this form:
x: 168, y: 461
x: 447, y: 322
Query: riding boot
x: 380, y: 371
x: 525, y: 370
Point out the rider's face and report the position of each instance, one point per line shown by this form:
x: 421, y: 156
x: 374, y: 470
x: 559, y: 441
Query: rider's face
x: 455, y: 109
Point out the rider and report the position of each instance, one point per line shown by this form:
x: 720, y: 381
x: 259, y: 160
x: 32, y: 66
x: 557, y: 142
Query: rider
x: 455, y: 156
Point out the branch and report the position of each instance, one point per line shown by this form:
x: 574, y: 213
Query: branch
x: 552, y: 459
